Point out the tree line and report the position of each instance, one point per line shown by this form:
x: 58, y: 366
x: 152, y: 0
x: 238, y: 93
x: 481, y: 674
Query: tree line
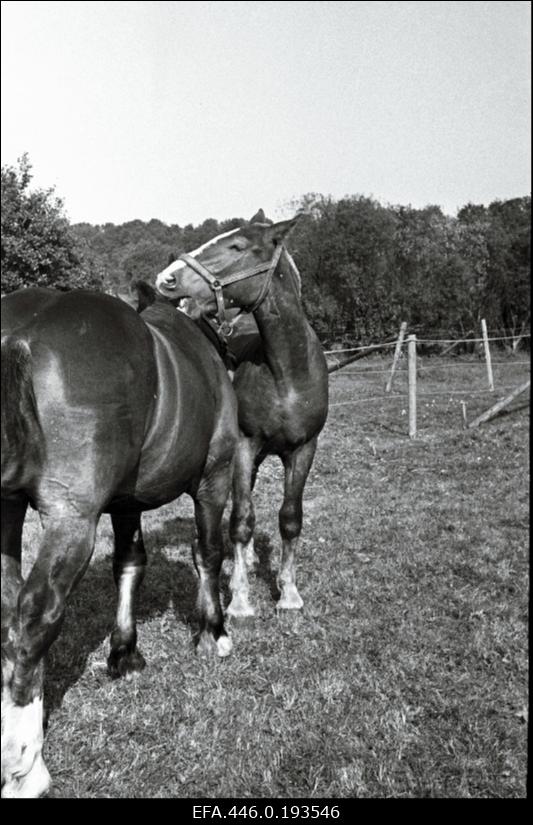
x: 365, y: 266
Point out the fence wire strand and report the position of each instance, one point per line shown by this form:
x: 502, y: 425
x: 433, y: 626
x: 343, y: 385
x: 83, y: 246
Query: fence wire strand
x: 428, y: 341
x: 403, y: 369
x: 448, y: 365
x: 423, y: 394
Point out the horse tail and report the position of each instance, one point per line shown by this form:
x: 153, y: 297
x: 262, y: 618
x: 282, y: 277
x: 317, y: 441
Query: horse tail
x: 21, y: 434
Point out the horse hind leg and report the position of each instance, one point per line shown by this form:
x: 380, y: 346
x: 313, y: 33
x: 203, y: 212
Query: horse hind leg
x: 242, y: 523
x: 209, y: 502
x: 129, y: 564
x: 297, y: 465
x: 13, y: 513
x: 63, y: 556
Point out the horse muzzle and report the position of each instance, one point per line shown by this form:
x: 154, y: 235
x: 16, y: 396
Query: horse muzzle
x: 166, y: 282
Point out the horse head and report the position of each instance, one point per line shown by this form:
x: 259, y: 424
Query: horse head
x: 231, y: 271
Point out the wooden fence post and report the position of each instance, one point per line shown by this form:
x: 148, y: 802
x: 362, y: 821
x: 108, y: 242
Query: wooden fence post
x: 463, y: 409
x: 487, y: 354
x: 411, y: 362
x: 500, y: 405
x: 397, y: 353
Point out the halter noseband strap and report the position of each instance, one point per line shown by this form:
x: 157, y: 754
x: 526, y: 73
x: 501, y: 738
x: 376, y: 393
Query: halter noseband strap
x: 218, y: 285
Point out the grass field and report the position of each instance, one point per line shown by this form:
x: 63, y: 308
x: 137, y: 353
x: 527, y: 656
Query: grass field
x: 406, y: 673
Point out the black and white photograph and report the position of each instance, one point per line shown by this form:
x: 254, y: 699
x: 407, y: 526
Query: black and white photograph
x: 265, y: 378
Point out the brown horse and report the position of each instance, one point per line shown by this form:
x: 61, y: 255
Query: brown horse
x: 103, y: 410
x: 281, y: 379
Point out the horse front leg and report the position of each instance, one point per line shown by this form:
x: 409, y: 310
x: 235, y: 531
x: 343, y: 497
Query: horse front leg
x: 64, y: 554
x: 242, y: 523
x: 297, y: 465
x: 129, y: 564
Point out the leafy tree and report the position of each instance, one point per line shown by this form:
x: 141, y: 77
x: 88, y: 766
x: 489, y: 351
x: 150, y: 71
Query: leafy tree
x: 37, y: 245
x: 497, y: 250
x: 365, y: 267
x: 145, y: 261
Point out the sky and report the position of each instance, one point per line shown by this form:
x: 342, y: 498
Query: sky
x: 183, y: 111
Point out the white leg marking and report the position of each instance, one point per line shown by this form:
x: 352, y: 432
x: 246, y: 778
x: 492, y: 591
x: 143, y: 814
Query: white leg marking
x: 126, y: 590
x: 205, y: 600
x: 290, y: 599
x: 250, y: 555
x: 240, y: 590
x: 23, y: 770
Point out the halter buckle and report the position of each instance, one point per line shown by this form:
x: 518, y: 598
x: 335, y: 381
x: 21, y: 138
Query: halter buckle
x: 226, y: 329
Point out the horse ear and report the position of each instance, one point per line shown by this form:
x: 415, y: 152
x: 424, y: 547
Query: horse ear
x: 268, y: 232
x: 146, y: 295
x: 259, y: 217
x: 277, y: 233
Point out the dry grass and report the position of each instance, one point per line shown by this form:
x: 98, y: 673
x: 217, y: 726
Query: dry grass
x: 405, y: 675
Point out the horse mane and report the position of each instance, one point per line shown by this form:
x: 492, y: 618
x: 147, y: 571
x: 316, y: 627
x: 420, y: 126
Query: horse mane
x: 146, y: 295
x: 294, y: 271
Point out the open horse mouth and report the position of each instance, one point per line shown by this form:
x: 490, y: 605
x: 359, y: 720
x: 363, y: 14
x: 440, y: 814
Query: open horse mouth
x: 183, y: 304
x: 167, y: 286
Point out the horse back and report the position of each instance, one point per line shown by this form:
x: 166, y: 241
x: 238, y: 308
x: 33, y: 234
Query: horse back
x: 93, y: 383
x: 127, y: 405
x: 194, y: 414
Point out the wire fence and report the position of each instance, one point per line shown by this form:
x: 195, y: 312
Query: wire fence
x: 426, y: 368
x: 426, y: 341
x: 433, y: 375
x: 499, y: 332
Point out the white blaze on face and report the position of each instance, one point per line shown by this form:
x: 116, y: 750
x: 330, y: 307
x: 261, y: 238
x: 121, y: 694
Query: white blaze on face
x: 166, y: 277
x: 23, y: 770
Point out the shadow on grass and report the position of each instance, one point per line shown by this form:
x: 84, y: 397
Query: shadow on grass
x: 389, y: 428
x: 168, y: 583
x: 90, y: 614
x: 264, y: 571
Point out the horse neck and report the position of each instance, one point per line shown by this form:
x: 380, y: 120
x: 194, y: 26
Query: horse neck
x: 283, y: 326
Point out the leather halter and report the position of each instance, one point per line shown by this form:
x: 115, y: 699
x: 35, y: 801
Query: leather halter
x: 217, y: 284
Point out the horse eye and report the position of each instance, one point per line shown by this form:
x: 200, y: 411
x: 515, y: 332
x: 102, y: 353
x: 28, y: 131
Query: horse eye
x: 236, y: 246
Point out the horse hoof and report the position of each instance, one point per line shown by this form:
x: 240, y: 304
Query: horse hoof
x: 121, y: 664
x: 240, y: 612
x: 208, y: 647
x: 34, y: 784
x: 224, y: 646
x: 290, y: 601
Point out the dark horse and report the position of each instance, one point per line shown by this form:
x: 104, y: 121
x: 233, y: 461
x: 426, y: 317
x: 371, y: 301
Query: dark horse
x: 281, y: 379
x: 103, y: 410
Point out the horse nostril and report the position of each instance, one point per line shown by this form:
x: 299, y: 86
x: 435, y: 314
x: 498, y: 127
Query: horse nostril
x: 168, y: 281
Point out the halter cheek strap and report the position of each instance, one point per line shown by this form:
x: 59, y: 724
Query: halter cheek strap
x: 213, y: 282
x: 218, y: 285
